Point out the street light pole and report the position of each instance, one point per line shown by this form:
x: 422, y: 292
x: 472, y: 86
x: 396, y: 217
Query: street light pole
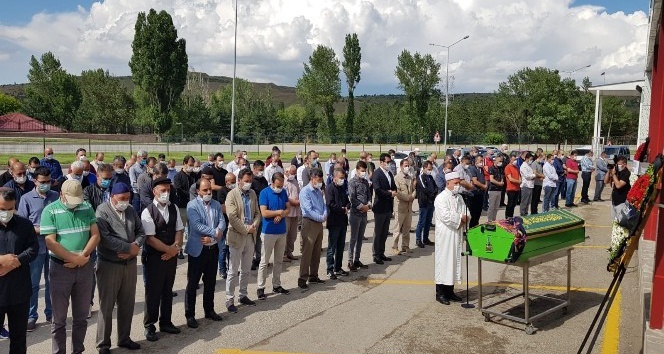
x: 181, y: 132
x: 447, y: 83
x: 575, y: 70
x: 234, y: 74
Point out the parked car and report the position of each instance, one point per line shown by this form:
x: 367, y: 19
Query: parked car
x: 581, y: 151
x: 400, y: 155
x: 617, y: 150
x: 464, y: 151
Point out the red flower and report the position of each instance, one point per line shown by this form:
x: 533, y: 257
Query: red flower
x: 638, y: 191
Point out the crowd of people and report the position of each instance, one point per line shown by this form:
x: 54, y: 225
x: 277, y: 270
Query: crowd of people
x: 85, y: 229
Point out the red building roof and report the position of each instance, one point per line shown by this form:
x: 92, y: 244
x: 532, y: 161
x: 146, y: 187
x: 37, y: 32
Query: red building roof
x: 17, y: 122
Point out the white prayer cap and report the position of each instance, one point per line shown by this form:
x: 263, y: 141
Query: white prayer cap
x: 451, y: 176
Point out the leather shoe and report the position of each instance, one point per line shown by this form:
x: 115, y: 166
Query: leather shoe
x: 130, y: 344
x: 213, y: 316
x: 169, y: 328
x: 454, y: 297
x: 442, y: 299
x: 302, y: 285
x: 246, y: 301
x: 352, y: 267
x: 359, y: 264
x: 280, y: 290
x: 316, y: 280
x: 232, y: 308
x: 331, y: 276
x: 191, y: 323
x: 260, y: 293
x: 104, y: 351
x: 430, y: 243
x: 387, y: 259
x: 151, y: 333
x: 420, y: 244
x: 377, y: 260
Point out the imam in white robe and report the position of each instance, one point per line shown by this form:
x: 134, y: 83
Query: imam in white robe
x: 449, y: 208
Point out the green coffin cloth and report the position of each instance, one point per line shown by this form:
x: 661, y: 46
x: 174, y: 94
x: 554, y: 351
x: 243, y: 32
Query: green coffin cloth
x: 546, y: 232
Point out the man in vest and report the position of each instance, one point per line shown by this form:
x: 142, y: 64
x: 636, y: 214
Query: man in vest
x: 163, y: 229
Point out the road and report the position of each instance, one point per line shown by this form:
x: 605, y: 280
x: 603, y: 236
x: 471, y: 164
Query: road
x: 391, y: 309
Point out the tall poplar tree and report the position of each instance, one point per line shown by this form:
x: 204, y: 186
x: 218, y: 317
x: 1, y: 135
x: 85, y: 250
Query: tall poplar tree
x: 351, y: 68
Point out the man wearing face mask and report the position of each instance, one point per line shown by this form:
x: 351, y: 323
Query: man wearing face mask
x: 329, y: 165
x: 273, y: 167
x: 314, y: 214
x: 70, y: 228
x: 222, y: 194
x: 20, y: 183
x: 100, y: 192
x: 119, y: 173
x: 243, y: 221
x: 294, y: 214
x: 242, y: 165
x: 163, y: 229
x: 144, y: 184
x: 476, y: 173
x: 300, y: 173
x: 572, y: 174
x: 208, y: 174
x: 77, y: 173
x: 310, y: 163
x: 274, y: 206
x: 451, y: 220
x: 527, y: 184
x: 234, y: 166
x: 134, y: 171
x: 171, y: 170
x: 338, y: 205
x: 18, y: 247
x: 360, y: 194
x: 393, y: 163
x: 54, y: 165
x: 462, y: 170
x: 297, y: 160
x: 513, y: 179
x: 344, y: 161
x: 257, y: 185
x: 618, y: 178
x: 426, y: 193
x: 182, y: 183
x: 30, y: 207
x: 496, y: 183
x: 602, y: 169
x: 385, y: 189
x: 219, y: 172
x: 406, y: 193
x: 122, y: 237
x: 33, y: 163
x: 206, y: 225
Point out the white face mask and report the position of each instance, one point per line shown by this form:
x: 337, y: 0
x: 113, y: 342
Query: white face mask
x: 220, y: 164
x: 197, y: 169
x: 319, y: 185
x: 290, y: 177
x: 6, y: 215
x: 277, y: 190
x: 207, y: 197
x: 259, y: 174
x: 406, y: 170
x: 621, y: 167
x: 86, y: 173
x: 20, y: 180
x: 119, y: 170
x: 456, y: 189
x: 246, y: 186
x: 275, y: 164
x: 121, y: 206
x: 340, y: 182
x: 362, y: 174
x: 71, y: 206
x: 231, y: 186
x: 244, y: 156
x: 163, y: 197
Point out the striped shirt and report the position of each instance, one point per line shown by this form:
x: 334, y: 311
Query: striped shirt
x: 71, y: 227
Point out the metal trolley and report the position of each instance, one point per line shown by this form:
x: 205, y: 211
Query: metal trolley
x: 525, y: 266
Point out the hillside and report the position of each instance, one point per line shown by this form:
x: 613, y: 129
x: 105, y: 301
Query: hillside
x: 282, y: 94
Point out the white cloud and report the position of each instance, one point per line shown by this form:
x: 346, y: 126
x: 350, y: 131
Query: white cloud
x: 276, y: 36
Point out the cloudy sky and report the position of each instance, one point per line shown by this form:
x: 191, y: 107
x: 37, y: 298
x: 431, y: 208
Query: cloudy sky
x: 276, y: 36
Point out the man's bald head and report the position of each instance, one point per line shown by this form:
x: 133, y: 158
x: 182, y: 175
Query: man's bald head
x: 11, y: 162
x: 230, y: 178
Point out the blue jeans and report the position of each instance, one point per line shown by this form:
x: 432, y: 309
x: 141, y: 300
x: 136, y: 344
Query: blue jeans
x: 571, y: 191
x: 223, y: 254
x: 38, y: 267
x: 549, y: 195
x: 424, y: 224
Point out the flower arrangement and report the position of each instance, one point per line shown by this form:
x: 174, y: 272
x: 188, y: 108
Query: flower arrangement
x: 619, y: 236
x: 642, y: 151
x: 636, y: 194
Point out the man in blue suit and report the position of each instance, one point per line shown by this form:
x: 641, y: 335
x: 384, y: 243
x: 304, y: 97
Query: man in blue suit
x: 206, y: 226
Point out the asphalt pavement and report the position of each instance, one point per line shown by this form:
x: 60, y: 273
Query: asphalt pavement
x: 391, y: 308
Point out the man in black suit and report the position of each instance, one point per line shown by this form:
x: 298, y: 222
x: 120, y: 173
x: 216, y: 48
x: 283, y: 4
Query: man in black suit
x: 18, y: 247
x: 385, y: 190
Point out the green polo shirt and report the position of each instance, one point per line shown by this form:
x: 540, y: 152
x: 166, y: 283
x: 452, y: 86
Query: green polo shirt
x: 72, y: 227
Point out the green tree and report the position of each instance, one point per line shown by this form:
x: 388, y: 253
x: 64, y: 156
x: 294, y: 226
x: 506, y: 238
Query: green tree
x: 106, y: 106
x: 9, y: 104
x: 320, y: 83
x: 418, y: 78
x: 351, y: 67
x: 158, y: 65
x: 52, y: 95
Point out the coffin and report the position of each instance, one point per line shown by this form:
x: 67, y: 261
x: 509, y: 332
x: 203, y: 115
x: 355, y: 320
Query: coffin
x: 546, y: 232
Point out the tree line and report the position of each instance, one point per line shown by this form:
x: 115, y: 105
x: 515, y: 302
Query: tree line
x: 532, y: 105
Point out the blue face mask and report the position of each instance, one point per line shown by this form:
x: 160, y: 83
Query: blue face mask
x: 44, y: 187
x: 105, y: 183
x: 144, y: 162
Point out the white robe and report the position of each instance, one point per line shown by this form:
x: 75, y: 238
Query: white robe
x: 449, y: 235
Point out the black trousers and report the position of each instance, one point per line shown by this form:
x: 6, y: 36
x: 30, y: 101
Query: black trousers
x: 475, y: 208
x: 159, y: 279
x: 585, y: 177
x: 512, y: 202
x: 17, y: 318
x: 381, y: 227
x: 204, y: 265
x: 537, y: 193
